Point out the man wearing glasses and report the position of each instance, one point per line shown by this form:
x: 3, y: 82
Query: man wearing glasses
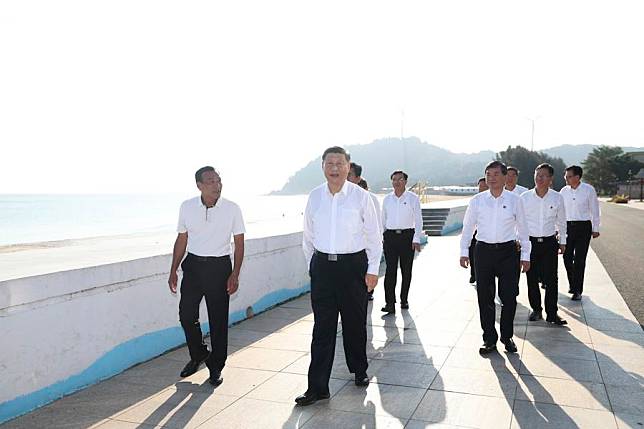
x: 206, y: 224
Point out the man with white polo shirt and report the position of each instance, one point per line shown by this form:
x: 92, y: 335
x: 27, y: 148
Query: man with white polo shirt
x: 498, y: 217
x: 511, y: 181
x: 582, y: 213
x: 206, y: 224
x: 546, y: 215
x: 402, y: 221
x: 341, y: 243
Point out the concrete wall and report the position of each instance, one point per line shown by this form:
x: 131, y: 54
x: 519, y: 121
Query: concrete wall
x: 454, y: 221
x: 63, y: 331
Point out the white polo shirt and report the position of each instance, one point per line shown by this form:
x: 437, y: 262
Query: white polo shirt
x: 210, y: 229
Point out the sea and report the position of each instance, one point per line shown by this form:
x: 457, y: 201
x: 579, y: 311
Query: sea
x: 26, y: 219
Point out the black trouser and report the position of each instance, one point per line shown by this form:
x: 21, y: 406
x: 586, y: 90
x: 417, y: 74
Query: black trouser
x: 472, y: 257
x: 577, y: 242
x: 337, y: 286
x: 543, y: 266
x: 205, y: 277
x: 502, y: 261
x: 398, y: 247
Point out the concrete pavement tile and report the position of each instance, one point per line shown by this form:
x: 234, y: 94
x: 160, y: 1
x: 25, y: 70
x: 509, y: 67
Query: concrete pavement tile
x: 563, y: 392
x: 402, y: 319
x: 264, y: 324
x: 564, y: 349
x: 387, y: 400
x: 327, y: 418
x: 252, y: 413
x: 161, y: 372
x: 117, y: 424
x: 382, y: 333
x: 415, y: 353
x: 240, y: 337
x: 236, y: 381
x: 402, y: 373
x: 626, y: 399
x: 281, y: 341
x: 530, y: 415
x: 464, y: 410
x: 266, y: 359
x: 285, y: 313
x: 285, y: 387
x: 177, y: 409
x: 419, y: 424
x: 561, y: 333
x: 497, y: 361
x: 629, y: 421
x: 626, y: 339
x: 301, y: 327
x: 428, y: 337
x: 620, y: 325
x: 303, y: 301
x: 558, y: 367
x: 476, y: 382
x: 615, y: 374
x: 182, y: 354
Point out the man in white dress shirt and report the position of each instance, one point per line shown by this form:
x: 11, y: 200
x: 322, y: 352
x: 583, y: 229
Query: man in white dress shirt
x: 582, y: 213
x: 511, y: 181
x: 341, y: 243
x: 355, y: 176
x: 546, y: 215
x: 402, y: 220
x: 498, y: 216
x: 206, y: 224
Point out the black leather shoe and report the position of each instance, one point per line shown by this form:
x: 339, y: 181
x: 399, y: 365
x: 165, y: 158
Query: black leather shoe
x: 404, y: 305
x: 556, y: 321
x: 543, y: 286
x: 472, y: 280
x: 309, y: 398
x: 534, y: 316
x: 215, y: 378
x: 570, y: 291
x: 192, y: 366
x: 362, y: 380
x: 389, y: 309
x: 576, y: 297
x: 487, y: 348
x: 510, y: 347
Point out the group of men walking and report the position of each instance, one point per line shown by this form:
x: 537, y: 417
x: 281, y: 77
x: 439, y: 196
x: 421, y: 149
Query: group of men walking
x: 344, y: 236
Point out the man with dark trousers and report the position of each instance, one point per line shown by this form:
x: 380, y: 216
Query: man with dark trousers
x: 482, y: 188
x: 582, y: 212
x: 546, y: 215
x: 206, y: 224
x: 402, y: 221
x: 498, y: 216
x: 355, y: 176
x: 341, y: 243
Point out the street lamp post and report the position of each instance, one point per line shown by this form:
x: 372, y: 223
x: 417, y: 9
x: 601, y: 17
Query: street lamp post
x: 640, y: 176
x: 532, y: 133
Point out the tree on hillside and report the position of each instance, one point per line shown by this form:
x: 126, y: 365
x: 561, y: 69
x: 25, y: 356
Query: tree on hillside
x: 527, y: 160
x: 606, y: 165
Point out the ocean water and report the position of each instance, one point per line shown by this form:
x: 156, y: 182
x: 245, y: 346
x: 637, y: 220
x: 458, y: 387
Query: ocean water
x: 38, y: 218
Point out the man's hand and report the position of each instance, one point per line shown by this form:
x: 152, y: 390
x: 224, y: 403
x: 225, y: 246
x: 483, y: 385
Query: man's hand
x: 416, y: 247
x: 518, y: 244
x: 562, y: 249
x: 525, y: 266
x: 595, y: 234
x: 465, y: 262
x: 172, y: 281
x: 371, y: 280
x: 232, y: 284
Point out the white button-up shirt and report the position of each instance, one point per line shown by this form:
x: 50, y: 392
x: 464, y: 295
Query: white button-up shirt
x: 496, y: 220
x: 343, y: 223
x: 210, y: 229
x: 518, y: 189
x: 403, y: 213
x: 581, y: 204
x: 545, y: 215
x: 376, y: 204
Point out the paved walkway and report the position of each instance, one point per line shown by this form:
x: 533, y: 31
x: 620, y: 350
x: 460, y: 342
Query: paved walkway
x: 424, y: 366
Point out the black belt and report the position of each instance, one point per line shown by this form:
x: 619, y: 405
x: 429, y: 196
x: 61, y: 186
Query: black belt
x: 400, y: 231
x: 334, y: 257
x: 496, y: 245
x: 207, y: 258
x: 542, y: 239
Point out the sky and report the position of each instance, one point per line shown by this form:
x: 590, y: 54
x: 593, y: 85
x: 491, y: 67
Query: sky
x: 133, y: 96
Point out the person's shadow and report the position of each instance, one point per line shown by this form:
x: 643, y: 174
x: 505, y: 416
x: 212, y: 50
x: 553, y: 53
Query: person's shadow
x: 180, y: 417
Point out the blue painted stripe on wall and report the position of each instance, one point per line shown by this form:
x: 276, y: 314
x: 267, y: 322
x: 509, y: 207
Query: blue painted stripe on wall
x: 126, y: 355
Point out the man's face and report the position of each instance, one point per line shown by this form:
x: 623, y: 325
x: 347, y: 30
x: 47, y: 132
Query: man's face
x: 494, y: 178
x: 542, y: 178
x: 399, y: 182
x: 352, y: 176
x: 511, y: 179
x: 210, y: 185
x: 336, y: 168
x: 483, y: 186
x: 571, y: 178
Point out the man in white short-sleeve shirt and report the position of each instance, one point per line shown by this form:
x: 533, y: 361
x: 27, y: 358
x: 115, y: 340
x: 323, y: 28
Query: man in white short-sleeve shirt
x: 206, y: 225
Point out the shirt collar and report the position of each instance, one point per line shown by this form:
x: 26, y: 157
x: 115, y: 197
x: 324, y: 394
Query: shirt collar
x: 344, y: 190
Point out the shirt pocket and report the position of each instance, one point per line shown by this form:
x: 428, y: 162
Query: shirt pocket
x: 350, y: 219
x: 551, y: 212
